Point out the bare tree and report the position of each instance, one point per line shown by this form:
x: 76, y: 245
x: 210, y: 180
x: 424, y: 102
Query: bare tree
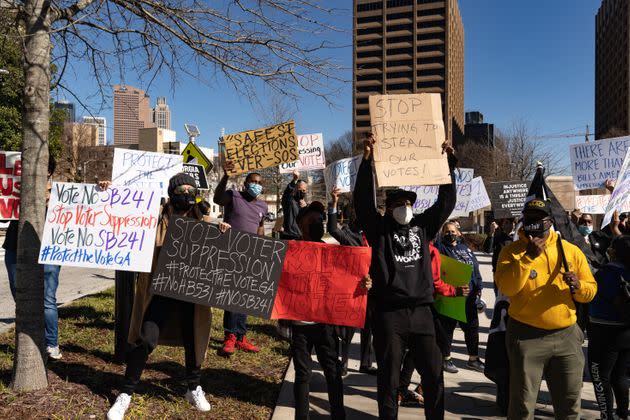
x: 244, y: 42
x: 340, y: 148
x: 76, y: 139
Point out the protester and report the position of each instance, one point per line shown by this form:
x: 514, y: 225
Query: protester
x: 351, y: 235
x: 245, y: 212
x: 162, y: 320
x: 499, y: 236
x: 585, y: 226
x: 403, y: 284
x: 452, y: 246
x: 497, y: 365
x: 293, y: 199
x: 609, y: 335
x: 543, y: 277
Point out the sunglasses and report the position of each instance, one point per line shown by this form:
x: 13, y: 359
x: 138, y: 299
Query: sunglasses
x: 185, y: 189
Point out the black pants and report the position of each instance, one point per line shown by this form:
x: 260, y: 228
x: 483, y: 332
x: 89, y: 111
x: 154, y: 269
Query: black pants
x: 608, y: 361
x: 394, y: 331
x: 343, y: 338
x: 367, y: 349
x: 163, y: 311
x: 321, y: 337
x: 470, y: 328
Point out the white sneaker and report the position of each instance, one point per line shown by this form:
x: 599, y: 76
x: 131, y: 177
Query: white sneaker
x: 53, y: 352
x: 198, y: 399
x: 117, y: 412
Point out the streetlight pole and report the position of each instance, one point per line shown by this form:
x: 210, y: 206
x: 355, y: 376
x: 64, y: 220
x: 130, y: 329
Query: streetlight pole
x: 85, y: 169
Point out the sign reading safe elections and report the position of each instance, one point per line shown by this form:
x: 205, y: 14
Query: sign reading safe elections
x: 311, y: 151
x: 322, y: 283
x: 198, y: 174
x: 409, y: 132
x: 508, y: 198
x: 235, y: 271
x: 594, y: 162
x: 145, y: 170
x: 342, y: 174
x: 11, y: 182
x: 89, y: 227
x: 263, y: 148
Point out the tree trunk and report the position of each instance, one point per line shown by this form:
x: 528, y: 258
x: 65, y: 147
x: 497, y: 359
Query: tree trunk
x: 29, y: 370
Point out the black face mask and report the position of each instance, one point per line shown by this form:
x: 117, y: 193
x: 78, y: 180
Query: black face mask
x: 534, y: 228
x: 182, y: 202
x: 449, y: 238
x: 299, y: 195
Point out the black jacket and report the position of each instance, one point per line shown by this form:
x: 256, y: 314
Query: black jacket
x: 401, y: 263
x: 290, y: 211
x: 344, y: 236
x: 494, y: 244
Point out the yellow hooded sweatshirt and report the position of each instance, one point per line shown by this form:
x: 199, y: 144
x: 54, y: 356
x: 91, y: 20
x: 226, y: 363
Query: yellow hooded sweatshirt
x: 538, y: 295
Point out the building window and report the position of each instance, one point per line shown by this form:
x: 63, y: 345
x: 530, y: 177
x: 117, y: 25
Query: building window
x: 368, y: 31
x: 400, y: 86
x: 370, y: 42
x: 430, y: 12
x: 430, y: 48
x: 367, y: 54
x: 402, y: 27
x: 399, y: 3
x: 397, y: 39
x: 378, y: 65
x: 369, y: 19
x: 395, y: 51
x: 377, y: 76
x: 377, y: 5
x: 396, y: 63
x: 398, y: 74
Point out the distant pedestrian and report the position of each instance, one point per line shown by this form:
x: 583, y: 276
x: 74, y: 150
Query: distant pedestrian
x: 293, y: 199
x: 500, y: 235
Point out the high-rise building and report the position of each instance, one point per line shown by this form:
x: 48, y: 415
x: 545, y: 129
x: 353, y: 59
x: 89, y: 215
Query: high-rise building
x: 476, y: 131
x: 68, y: 109
x: 162, y: 114
x: 612, y: 71
x: 101, y: 123
x: 132, y: 111
x: 409, y: 46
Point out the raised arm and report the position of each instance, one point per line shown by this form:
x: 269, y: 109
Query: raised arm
x: 220, y: 197
x: 364, y: 200
x: 288, y: 191
x: 331, y: 225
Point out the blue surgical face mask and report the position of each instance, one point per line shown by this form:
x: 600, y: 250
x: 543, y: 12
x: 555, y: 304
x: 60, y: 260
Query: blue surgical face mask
x: 585, y: 230
x: 254, y: 189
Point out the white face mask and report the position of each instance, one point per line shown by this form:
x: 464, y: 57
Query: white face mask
x: 402, y: 215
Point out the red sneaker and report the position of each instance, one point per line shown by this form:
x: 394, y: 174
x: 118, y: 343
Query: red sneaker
x: 228, y: 344
x: 246, y: 345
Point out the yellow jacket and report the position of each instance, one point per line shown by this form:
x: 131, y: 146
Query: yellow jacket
x: 538, y: 295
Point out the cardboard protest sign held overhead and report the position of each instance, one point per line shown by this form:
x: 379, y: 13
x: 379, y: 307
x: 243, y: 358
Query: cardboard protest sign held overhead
x: 596, y: 204
x: 311, y: 151
x: 621, y: 193
x: 322, y: 283
x: 594, y: 162
x: 456, y: 274
x: 144, y: 170
x: 342, y: 174
x: 263, y: 148
x: 409, y: 132
x: 11, y: 182
x: 89, y: 227
x: 198, y: 173
x: 235, y: 271
x: 508, y: 198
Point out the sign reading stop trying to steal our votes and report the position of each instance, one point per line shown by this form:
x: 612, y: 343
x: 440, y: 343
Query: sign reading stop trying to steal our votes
x: 11, y: 183
x: 145, y: 170
x: 311, y: 151
x: 89, y: 227
x: 594, y: 162
x: 409, y: 133
x: 262, y: 148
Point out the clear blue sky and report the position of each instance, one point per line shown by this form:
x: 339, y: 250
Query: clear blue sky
x: 532, y: 60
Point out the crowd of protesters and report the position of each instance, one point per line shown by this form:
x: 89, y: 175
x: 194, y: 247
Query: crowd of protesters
x: 543, y: 281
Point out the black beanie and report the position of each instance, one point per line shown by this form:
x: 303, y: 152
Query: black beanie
x: 179, y: 179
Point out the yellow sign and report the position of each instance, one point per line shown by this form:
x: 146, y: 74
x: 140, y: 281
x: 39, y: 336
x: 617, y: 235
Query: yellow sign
x: 193, y: 153
x: 263, y: 148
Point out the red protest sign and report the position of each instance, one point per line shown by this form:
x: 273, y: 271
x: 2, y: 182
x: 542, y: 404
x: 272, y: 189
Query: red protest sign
x: 322, y: 283
x: 10, y: 185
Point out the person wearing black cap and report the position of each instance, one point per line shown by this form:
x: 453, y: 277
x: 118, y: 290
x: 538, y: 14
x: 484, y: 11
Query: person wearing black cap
x: 162, y: 320
x: 544, y: 276
x: 403, y: 284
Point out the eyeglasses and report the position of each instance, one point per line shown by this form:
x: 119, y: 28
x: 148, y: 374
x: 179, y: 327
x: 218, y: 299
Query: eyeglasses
x: 185, y: 189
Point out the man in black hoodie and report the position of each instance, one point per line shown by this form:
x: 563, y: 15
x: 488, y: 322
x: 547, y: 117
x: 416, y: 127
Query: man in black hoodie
x: 403, y: 284
x: 293, y: 200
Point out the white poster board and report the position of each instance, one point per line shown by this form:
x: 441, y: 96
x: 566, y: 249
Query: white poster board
x: 311, y: 152
x: 621, y: 193
x: 478, y: 195
x: 145, y: 170
x: 596, y: 204
x: 342, y: 174
x: 112, y: 229
x: 427, y: 194
x: 594, y: 162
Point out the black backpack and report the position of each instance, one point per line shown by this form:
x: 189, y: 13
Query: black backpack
x: 622, y: 300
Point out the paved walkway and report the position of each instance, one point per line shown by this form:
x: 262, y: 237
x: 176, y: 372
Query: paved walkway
x: 468, y: 395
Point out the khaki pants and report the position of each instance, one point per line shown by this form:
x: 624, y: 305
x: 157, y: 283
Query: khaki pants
x: 556, y: 354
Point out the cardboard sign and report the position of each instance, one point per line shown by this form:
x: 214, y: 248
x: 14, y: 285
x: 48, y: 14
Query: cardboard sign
x: 508, y: 198
x: 342, y: 174
x: 193, y: 154
x: 594, y: 162
x: 263, y: 148
x: 478, y: 195
x: 112, y: 229
x: 198, y: 173
x: 311, y: 152
x: 11, y: 183
x: 409, y: 132
x: 596, y: 204
x: 145, y: 170
x: 322, y: 283
x: 235, y: 271
x: 621, y: 193
x: 456, y: 274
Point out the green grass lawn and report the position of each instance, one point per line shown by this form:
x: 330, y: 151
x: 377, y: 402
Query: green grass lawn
x: 85, y: 382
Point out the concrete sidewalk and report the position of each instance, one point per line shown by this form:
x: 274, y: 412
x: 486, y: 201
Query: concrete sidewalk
x: 468, y: 394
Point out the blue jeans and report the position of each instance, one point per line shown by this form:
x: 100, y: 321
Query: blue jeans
x: 10, y: 260
x: 234, y: 323
x: 51, y: 281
